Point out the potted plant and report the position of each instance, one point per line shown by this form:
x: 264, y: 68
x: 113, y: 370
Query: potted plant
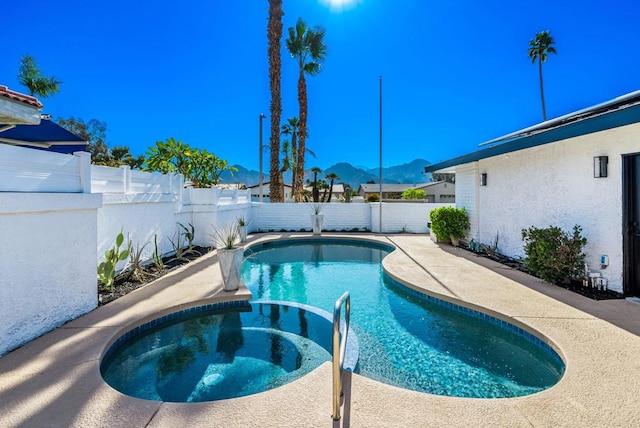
x: 449, y: 223
x: 230, y: 256
x: 242, y: 229
x: 317, y: 218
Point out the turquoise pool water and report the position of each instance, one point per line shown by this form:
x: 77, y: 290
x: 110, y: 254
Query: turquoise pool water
x: 406, y: 339
x: 218, y: 351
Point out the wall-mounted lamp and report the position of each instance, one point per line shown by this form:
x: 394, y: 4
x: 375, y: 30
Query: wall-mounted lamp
x: 600, y: 166
x: 483, y: 179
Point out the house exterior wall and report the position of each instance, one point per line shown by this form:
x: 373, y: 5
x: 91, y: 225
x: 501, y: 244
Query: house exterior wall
x: 553, y: 185
x: 47, y: 262
x: 442, y: 192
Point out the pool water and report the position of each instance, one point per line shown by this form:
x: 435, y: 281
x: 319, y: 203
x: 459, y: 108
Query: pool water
x: 406, y: 339
x: 217, y: 352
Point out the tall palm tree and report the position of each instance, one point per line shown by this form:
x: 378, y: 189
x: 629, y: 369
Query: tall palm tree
x: 539, y: 48
x: 29, y: 76
x: 274, y: 34
x: 292, y: 128
x: 307, y: 46
x: 332, y: 176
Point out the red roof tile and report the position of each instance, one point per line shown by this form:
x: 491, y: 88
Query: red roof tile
x: 17, y: 96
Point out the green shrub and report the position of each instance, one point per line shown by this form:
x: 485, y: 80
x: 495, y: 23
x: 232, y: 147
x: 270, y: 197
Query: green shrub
x: 554, y: 255
x: 414, y: 194
x: 449, y: 222
x: 374, y: 197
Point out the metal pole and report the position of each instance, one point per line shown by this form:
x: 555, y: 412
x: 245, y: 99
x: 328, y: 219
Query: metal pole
x: 380, y: 154
x: 262, y: 116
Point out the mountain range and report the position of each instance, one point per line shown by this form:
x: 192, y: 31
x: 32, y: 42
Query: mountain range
x: 354, y: 176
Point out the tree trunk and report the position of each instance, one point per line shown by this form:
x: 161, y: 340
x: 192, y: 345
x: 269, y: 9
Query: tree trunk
x: 294, y: 159
x: 544, y: 110
x: 302, y: 136
x: 274, y: 34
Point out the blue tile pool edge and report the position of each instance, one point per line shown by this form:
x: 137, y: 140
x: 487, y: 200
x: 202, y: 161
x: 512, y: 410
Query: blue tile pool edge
x: 509, y: 326
x: 351, y: 353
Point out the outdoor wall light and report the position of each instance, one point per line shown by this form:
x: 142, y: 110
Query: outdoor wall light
x: 483, y: 179
x: 600, y: 166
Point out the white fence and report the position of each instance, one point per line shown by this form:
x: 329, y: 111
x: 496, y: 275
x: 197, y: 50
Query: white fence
x: 59, y: 214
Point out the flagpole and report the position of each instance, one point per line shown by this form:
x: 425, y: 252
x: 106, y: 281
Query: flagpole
x: 380, y: 154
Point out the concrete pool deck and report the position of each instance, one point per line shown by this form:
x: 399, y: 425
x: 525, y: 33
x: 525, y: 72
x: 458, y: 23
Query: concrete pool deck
x: 55, y: 381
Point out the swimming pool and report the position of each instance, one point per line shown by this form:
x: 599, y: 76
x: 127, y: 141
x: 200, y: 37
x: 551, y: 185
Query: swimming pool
x: 406, y: 339
x: 218, y: 351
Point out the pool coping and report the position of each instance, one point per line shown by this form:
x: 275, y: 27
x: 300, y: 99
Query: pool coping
x: 55, y: 381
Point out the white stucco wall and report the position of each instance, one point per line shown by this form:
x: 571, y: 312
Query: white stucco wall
x: 140, y: 217
x: 47, y: 262
x: 553, y: 185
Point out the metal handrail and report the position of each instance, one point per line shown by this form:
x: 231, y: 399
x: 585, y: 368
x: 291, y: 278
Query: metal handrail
x: 339, y: 348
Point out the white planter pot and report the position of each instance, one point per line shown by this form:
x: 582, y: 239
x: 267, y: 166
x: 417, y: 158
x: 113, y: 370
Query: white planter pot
x: 316, y: 222
x: 242, y: 231
x: 230, y: 261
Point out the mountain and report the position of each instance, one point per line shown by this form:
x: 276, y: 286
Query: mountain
x: 406, y: 173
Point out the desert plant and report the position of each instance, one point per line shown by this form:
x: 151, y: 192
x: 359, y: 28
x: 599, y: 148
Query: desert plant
x: 136, y: 270
x: 554, y: 255
x: 158, y: 263
x: 225, y: 237
x: 182, y: 253
x: 241, y: 221
x: 449, y: 222
x: 107, y: 269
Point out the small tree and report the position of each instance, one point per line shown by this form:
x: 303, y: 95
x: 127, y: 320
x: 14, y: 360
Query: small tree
x: 199, y: 166
x: 414, y: 194
x: 554, y: 255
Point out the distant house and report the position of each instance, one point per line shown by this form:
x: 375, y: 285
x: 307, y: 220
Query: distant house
x: 439, y: 191
x: 17, y: 108
x: 255, y: 192
x: 47, y: 135
x: 337, y: 193
x: 579, y: 169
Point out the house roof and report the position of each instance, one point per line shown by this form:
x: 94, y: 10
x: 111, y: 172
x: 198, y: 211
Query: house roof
x: 375, y: 188
x: 18, y: 108
x: 17, y: 96
x: 620, y: 111
x: 266, y: 183
x: 46, y: 135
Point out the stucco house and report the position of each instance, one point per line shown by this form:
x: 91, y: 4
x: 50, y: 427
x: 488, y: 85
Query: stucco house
x: 439, y: 191
x: 579, y: 169
x: 255, y: 192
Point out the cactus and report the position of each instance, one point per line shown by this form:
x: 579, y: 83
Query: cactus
x: 107, y: 269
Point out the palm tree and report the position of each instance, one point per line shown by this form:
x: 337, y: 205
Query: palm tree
x: 274, y: 34
x: 331, y: 176
x: 315, y: 194
x: 539, y: 48
x: 307, y: 46
x: 30, y: 77
x: 287, y: 156
x: 292, y: 128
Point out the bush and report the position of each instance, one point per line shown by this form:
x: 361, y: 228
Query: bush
x: 374, y: 197
x: 554, y: 255
x: 449, y: 222
x: 414, y: 194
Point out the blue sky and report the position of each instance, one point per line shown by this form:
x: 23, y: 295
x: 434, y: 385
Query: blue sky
x: 455, y: 73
